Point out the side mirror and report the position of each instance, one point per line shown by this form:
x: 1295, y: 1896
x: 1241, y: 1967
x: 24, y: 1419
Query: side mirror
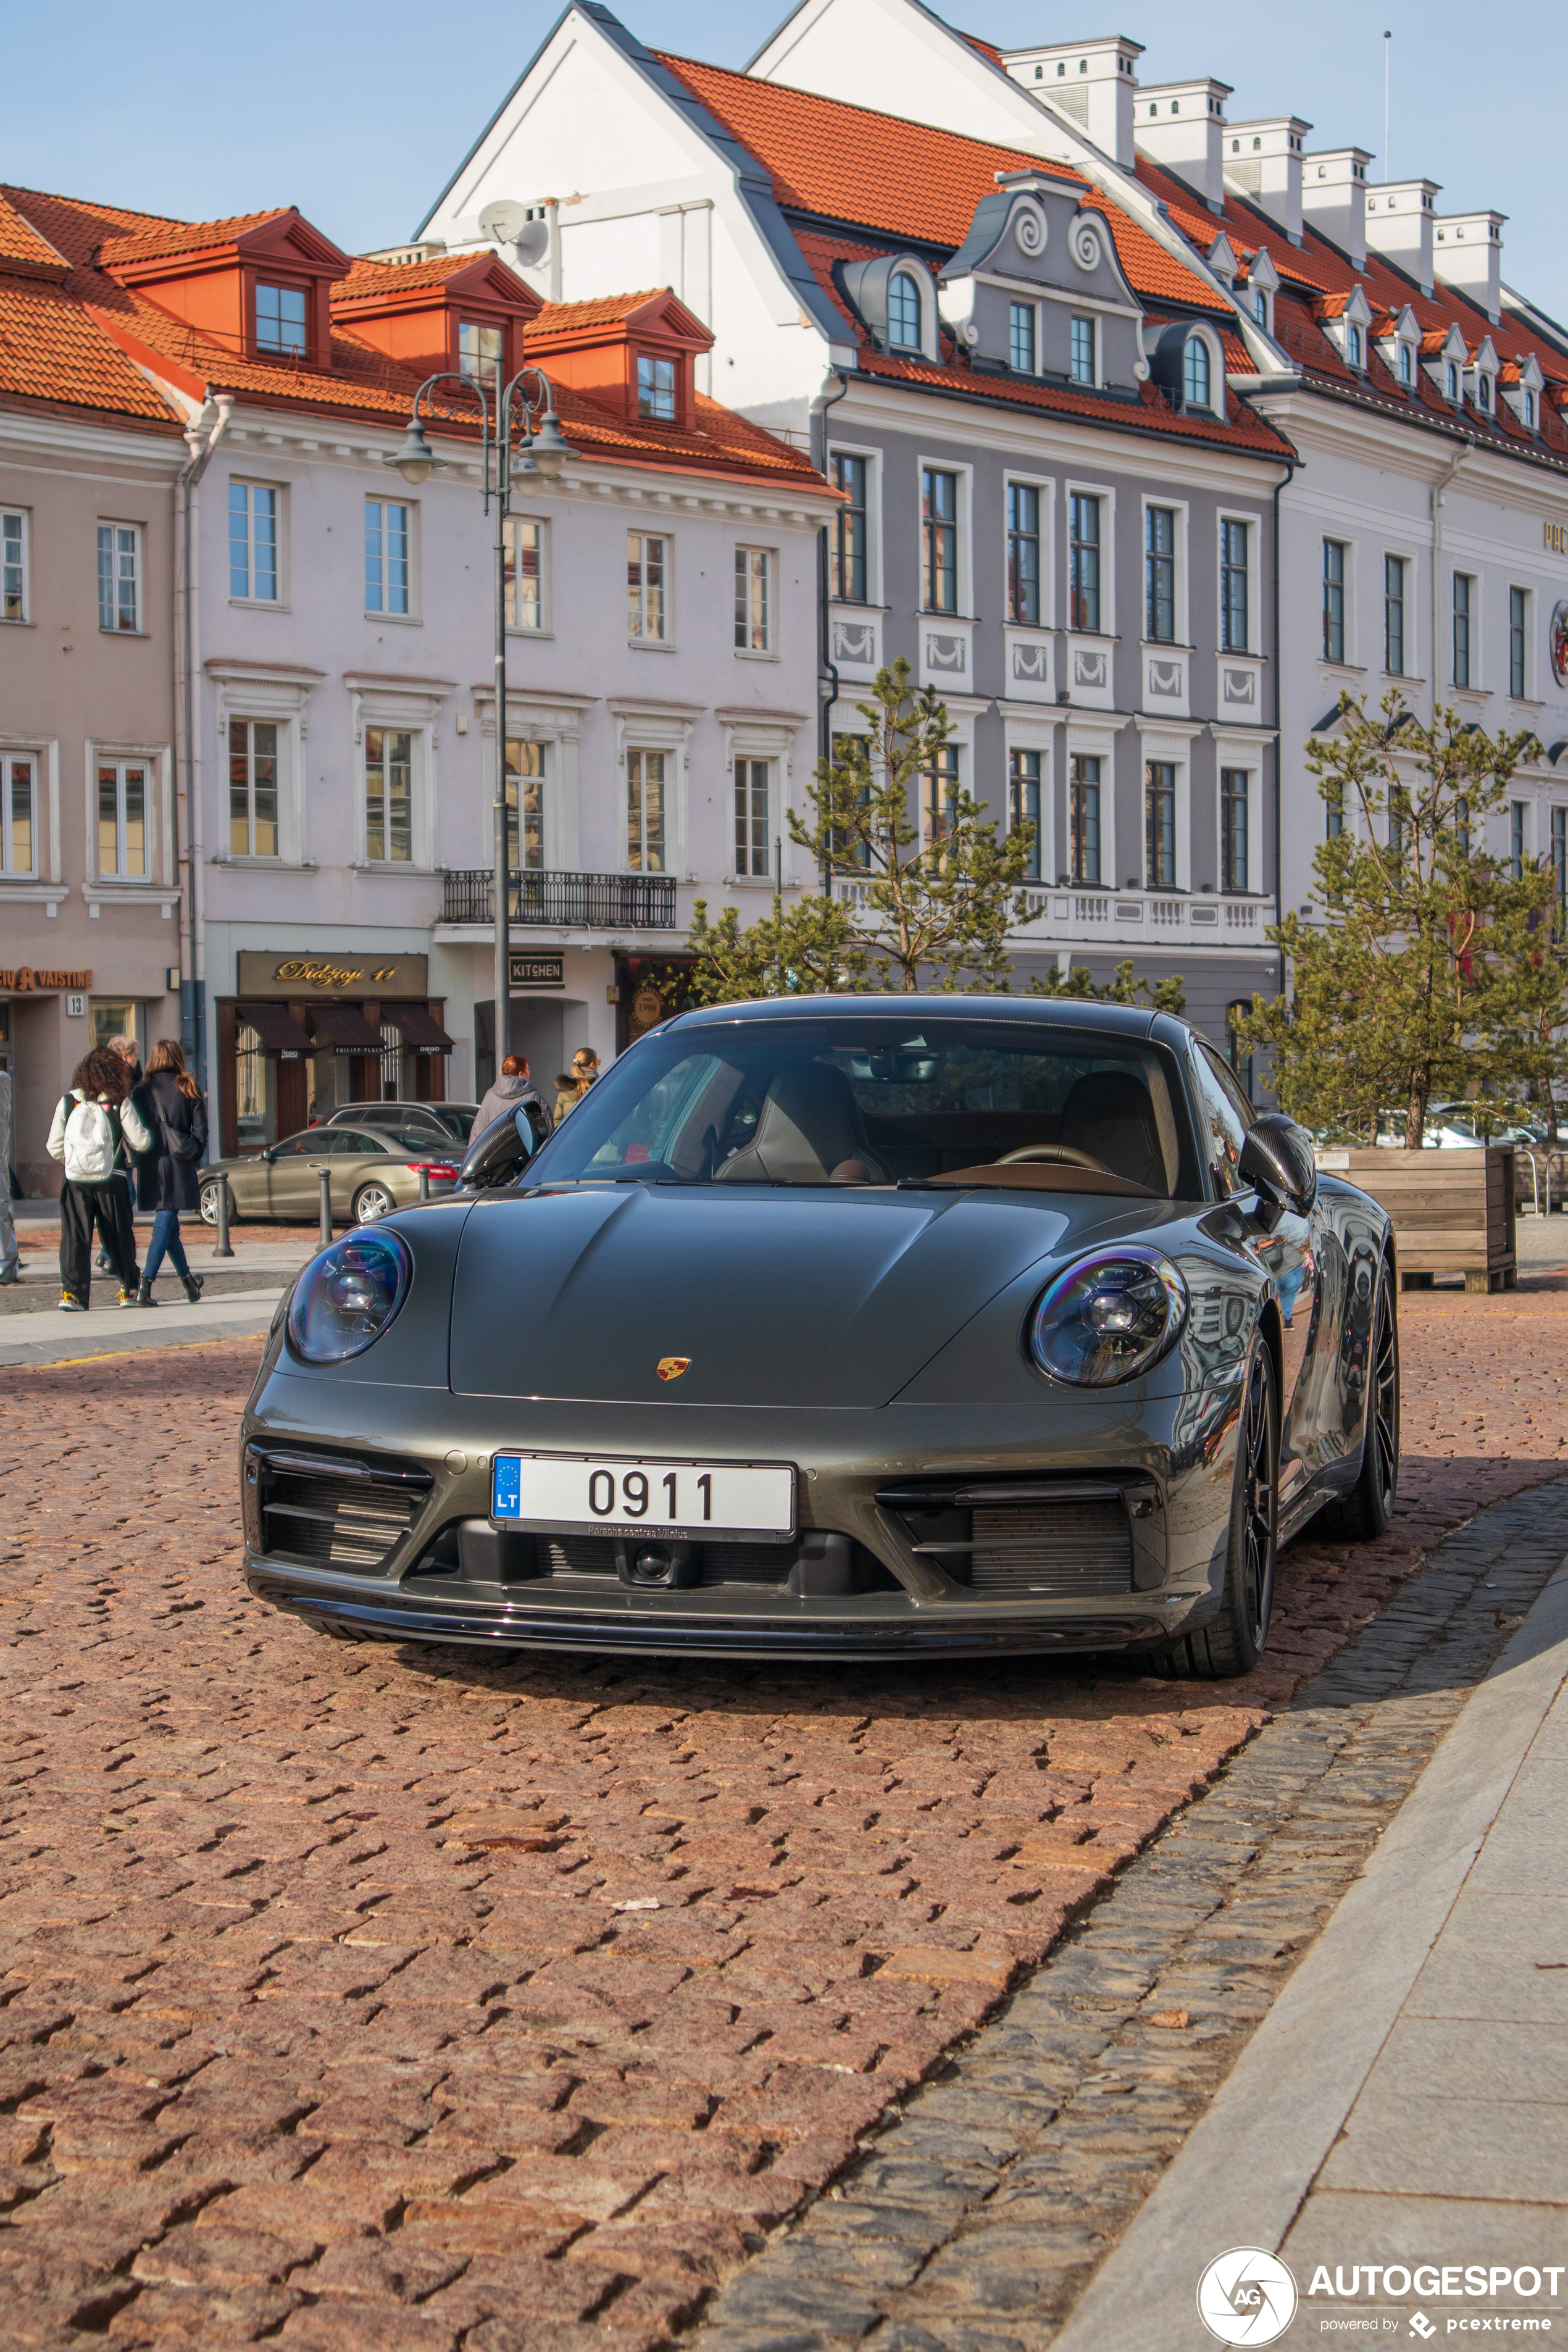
x: 499, y: 1153
x: 1278, y: 1158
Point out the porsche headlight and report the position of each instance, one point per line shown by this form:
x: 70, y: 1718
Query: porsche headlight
x: 348, y: 1296
x: 1109, y: 1317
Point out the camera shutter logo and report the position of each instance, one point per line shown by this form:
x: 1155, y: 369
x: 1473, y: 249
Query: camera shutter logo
x: 1246, y: 2298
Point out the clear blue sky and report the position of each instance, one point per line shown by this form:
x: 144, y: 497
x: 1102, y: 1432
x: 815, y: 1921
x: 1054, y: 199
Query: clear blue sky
x: 358, y: 114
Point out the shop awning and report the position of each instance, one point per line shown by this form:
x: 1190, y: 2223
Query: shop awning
x: 420, y: 1028
x: 345, y: 1028
x: 276, y: 1026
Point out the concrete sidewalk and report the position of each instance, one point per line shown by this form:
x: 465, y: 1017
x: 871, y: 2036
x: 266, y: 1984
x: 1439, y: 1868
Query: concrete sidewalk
x: 54, y: 1336
x: 1397, y: 2129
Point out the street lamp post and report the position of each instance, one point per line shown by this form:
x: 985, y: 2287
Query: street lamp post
x: 541, y: 453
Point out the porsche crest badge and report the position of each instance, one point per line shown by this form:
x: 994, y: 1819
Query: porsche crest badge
x: 672, y: 1367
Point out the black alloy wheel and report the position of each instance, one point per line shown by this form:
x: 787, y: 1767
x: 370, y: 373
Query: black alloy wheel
x: 1365, y: 1512
x: 1233, y: 1642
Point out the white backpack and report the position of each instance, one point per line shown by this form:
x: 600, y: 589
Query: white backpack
x: 89, y: 1144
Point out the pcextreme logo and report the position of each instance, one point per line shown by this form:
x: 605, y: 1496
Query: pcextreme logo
x: 1246, y: 2296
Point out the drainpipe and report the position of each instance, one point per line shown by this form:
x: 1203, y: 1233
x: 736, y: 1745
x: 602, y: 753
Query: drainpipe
x: 202, y: 437
x: 1278, y: 732
x: 824, y: 401
x: 1438, y: 487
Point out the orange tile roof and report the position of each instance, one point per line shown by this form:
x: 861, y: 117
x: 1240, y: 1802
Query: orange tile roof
x: 904, y: 179
x: 89, y: 341
x: 602, y: 311
x: 1148, y: 412
x: 182, y: 237
x: 367, y: 277
x: 22, y: 252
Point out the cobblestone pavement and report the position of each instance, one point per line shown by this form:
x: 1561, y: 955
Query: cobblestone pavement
x: 387, y: 1998
x: 981, y: 2211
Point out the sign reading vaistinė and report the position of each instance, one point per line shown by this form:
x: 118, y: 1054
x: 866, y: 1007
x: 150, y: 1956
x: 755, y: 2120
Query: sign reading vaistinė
x: 332, y: 975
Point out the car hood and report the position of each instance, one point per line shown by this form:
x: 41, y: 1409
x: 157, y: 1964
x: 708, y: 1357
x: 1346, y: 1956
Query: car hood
x: 777, y: 1297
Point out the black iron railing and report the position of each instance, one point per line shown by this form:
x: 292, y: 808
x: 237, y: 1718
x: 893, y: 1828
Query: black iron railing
x: 596, y: 902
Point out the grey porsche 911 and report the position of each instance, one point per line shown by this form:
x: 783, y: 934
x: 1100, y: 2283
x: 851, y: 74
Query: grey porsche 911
x: 852, y: 1327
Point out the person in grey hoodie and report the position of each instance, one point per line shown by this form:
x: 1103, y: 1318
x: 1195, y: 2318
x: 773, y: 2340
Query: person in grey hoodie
x: 514, y: 1086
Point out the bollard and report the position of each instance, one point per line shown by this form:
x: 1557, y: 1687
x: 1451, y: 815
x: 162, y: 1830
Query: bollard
x: 326, y: 1207
x: 222, y: 1249
x: 424, y: 1184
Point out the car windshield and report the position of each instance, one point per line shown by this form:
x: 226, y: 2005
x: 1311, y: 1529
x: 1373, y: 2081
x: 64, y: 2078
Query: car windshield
x: 877, y: 1098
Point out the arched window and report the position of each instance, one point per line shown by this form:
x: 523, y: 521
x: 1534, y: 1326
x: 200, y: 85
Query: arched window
x: 1260, y: 306
x: 1484, y: 390
x: 904, y: 313
x: 1529, y: 412
x: 1407, y: 364
x: 1451, y: 379
x: 1352, y: 344
x: 1195, y: 372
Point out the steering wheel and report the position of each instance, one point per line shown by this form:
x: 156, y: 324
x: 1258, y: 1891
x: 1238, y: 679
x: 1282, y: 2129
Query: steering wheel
x: 1061, y: 1151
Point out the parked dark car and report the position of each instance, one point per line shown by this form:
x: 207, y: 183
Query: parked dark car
x: 848, y: 1326
x: 450, y: 1119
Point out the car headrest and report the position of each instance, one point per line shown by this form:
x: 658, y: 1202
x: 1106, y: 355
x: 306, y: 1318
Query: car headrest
x: 808, y: 1125
x: 1109, y: 1114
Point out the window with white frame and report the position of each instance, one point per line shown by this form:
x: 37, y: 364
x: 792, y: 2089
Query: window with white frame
x: 754, y: 600
x: 1528, y: 410
x: 1464, y: 597
x: 939, y: 539
x: 1085, y: 365
x: 525, y: 806
x: 526, y: 546
x: 648, y: 587
x: 388, y: 557
x: 647, y: 783
x: 1516, y: 819
x: 1021, y: 338
x: 13, y: 563
x: 253, y: 519
x: 124, y: 820
x: 19, y: 813
x: 1195, y: 373
x: 1394, y: 571
x: 1024, y: 554
x: 281, y: 319
x: 1234, y: 585
x: 752, y: 784
x: 1234, y: 827
x: 1083, y: 562
x: 389, y: 795
x: 1160, y: 574
x: 1083, y: 815
x: 656, y: 389
x: 1352, y: 344
x: 1451, y: 381
x: 1517, y: 643
x: 1024, y: 803
x: 253, y: 788
x: 938, y: 797
x: 120, y: 576
x: 1333, y: 600
x: 849, y: 536
x: 479, y: 348
x: 904, y: 313
x: 1406, y: 364
x: 1160, y: 823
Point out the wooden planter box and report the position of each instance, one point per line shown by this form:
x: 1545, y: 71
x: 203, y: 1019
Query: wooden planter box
x: 1453, y: 1213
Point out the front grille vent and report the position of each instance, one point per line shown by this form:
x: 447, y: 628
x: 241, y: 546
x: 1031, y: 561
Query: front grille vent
x: 325, y: 1514
x: 743, y: 1563
x: 1062, y: 1549
x: 578, y: 1555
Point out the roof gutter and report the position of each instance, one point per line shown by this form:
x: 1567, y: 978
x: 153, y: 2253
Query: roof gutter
x: 203, y: 434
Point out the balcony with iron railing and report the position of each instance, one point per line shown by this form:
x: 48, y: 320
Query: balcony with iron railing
x: 580, y: 902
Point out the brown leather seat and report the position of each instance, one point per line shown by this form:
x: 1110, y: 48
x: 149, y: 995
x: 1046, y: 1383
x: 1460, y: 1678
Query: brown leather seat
x: 808, y: 1129
x: 1109, y: 1114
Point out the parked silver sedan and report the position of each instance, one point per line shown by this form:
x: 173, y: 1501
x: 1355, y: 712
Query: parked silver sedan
x: 372, y: 1171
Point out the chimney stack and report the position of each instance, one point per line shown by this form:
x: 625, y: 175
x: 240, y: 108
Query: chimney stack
x: 1469, y: 255
x: 1399, y: 223
x: 1091, y: 82
x: 1333, y: 197
x: 1182, y: 125
x: 1263, y: 161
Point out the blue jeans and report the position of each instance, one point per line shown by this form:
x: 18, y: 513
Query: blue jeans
x: 166, y: 1236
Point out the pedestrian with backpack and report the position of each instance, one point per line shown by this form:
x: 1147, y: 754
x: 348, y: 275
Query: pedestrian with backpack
x: 95, y: 1123
x: 169, y: 1105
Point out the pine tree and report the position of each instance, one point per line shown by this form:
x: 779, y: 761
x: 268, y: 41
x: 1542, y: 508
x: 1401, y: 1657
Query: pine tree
x: 810, y: 949
x: 1161, y: 995
x: 1411, y: 983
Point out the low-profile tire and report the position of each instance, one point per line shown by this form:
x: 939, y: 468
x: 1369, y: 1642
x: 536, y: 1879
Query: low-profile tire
x: 370, y: 1203
x: 1366, y: 1511
x: 336, y: 1632
x: 1232, y: 1643
x: 208, y: 1201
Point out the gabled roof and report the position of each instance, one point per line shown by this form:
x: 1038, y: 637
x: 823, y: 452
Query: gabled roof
x: 164, y: 239
x: 906, y: 179
x: 394, y: 285
x: 53, y: 352
x: 657, y: 306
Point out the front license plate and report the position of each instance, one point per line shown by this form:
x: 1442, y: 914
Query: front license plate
x: 692, y: 1498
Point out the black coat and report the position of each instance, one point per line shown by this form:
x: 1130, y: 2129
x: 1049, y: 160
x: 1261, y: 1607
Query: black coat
x: 164, y: 1180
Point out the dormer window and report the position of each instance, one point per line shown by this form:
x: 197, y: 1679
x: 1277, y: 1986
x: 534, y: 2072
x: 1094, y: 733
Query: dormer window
x: 1528, y: 410
x: 1195, y: 373
x: 1407, y: 364
x: 478, y: 348
x: 656, y: 389
x: 281, y: 319
x: 904, y: 313
x: 1021, y: 338
x: 1484, y: 393
x: 1352, y: 344
x: 1260, y: 307
x: 1451, y: 381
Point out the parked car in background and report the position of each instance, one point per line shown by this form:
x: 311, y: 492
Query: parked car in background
x: 372, y: 1171
x: 453, y: 1118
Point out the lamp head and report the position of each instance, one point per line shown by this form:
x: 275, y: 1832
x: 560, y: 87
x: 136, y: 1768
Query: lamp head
x: 550, y: 449
x: 416, y: 460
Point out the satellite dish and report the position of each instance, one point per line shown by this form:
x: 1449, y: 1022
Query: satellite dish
x: 504, y: 221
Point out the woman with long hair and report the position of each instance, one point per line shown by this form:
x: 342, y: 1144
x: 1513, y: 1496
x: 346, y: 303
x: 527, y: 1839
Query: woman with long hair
x: 171, y: 1105
x: 95, y: 1124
